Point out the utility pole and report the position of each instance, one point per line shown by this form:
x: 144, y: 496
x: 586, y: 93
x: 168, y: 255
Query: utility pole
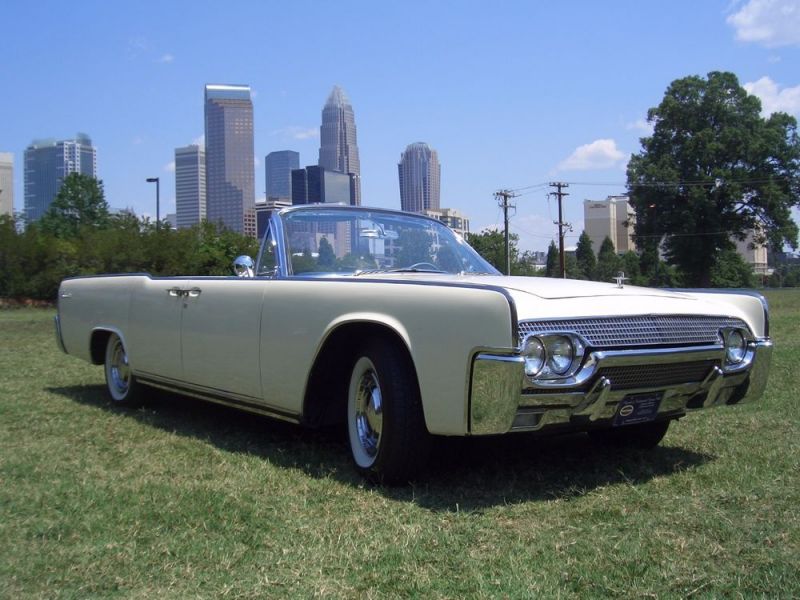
x: 561, y: 224
x: 503, y: 197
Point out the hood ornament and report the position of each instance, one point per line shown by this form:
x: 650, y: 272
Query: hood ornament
x: 620, y: 278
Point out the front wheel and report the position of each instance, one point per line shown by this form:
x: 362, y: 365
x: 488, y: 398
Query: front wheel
x: 638, y: 437
x: 386, y: 426
x: 120, y: 381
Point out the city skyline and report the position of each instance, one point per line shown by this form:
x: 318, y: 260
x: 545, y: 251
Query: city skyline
x: 551, y: 103
x: 190, y: 185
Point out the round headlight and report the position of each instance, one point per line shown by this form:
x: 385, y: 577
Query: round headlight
x: 534, y: 354
x: 560, y: 354
x: 735, y: 346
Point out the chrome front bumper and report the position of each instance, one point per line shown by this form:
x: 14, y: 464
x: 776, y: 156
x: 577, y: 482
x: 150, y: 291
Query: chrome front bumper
x: 502, y: 400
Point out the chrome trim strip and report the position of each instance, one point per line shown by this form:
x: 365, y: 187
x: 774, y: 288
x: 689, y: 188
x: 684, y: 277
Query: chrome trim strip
x: 59, y: 336
x: 247, y: 403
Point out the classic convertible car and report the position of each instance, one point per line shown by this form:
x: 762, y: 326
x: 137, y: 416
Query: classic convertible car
x: 391, y: 323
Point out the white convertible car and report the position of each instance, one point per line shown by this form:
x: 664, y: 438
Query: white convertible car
x: 391, y: 322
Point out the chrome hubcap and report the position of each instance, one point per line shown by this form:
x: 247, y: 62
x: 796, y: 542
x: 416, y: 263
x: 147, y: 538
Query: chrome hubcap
x: 118, y: 368
x: 369, y: 412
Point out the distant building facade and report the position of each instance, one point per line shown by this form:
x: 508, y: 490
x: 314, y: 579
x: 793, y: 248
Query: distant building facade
x: 454, y: 219
x: 6, y: 183
x: 230, y: 170
x: 338, y: 150
x: 278, y: 167
x: 315, y: 184
x: 190, y: 186
x: 47, y: 164
x: 420, y: 176
x: 753, y: 253
x: 613, y: 218
x: 264, y: 211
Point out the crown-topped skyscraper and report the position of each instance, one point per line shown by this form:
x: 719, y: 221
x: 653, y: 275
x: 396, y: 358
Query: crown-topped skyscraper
x: 338, y: 149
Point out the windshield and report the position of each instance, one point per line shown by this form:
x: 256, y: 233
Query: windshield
x: 360, y: 242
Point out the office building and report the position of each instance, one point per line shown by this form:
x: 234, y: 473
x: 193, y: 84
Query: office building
x: 316, y: 184
x: 338, y: 149
x: 454, y: 219
x: 278, y: 168
x: 6, y: 184
x: 190, y: 186
x: 753, y: 253
x: 47, y: 164
x: 230, y: 172
x: 420, y: 176
x: 613, y: 218
x: 264, y: 211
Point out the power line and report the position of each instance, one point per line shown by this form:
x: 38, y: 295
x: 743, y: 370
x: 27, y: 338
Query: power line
x: 559, y: 185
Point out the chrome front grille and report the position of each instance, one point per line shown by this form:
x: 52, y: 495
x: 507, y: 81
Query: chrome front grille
x: 644, y: 330
x: 656, y: 376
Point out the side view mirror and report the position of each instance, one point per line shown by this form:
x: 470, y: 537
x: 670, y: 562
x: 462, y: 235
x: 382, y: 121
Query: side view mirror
x: 244, y: 266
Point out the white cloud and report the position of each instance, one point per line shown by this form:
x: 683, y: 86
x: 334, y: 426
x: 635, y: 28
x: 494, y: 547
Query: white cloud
x: 200, y: 140
x: 256, y: 162
x: 773, y: 99
x: 253, y: 94
x: 771, y: 23
x: 600, y: 154
x: 640, y: 125
x: 298, y: 133
x: 166, y: 58
x: 170, y: 167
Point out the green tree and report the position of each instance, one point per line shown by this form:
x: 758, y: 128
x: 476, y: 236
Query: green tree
x: 587, y: 263
x: 630, y: 265
x: 327, y: 257
x: 553, y: 264
x: 415, y: 246
x: 80, y: 202
x: 608, y: 263
x: 731, y: 270
x: 712, y: 169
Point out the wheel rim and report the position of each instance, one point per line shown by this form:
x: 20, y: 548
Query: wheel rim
x: 366, y: 412
x: 118, y: 370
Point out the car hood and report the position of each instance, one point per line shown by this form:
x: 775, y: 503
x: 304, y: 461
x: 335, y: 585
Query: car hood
x: 545, y: 297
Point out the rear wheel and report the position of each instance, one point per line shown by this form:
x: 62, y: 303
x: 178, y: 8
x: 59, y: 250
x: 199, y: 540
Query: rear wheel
x: 640, y: 437
x: 120, y: 381
x: 386, y: 426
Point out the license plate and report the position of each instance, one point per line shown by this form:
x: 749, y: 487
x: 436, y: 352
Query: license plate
x: 637, y: 408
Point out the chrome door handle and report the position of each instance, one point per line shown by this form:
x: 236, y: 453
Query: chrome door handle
x: 193, y: 293
x: 175, y: 292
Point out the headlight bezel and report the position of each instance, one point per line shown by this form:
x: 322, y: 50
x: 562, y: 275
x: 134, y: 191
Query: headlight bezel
x: 736, y: 342
x: 548, y: 341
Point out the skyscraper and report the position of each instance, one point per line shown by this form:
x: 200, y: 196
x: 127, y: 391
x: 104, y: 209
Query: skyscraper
x: 6, y: 183
x: 47, y: 163
x: 190, y: 186
x: 338, y: 149
x: 420, y: 176
x: 230, y: 172
x: 278, y: 166
x: 316, y: 184
x: 611, y: 218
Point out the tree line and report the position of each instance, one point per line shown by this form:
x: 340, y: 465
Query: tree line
x: 78, y: 236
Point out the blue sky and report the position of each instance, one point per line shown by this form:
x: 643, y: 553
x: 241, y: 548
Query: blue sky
x: 510, y: 94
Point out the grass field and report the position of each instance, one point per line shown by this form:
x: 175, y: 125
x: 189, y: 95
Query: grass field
x: 184, y: 499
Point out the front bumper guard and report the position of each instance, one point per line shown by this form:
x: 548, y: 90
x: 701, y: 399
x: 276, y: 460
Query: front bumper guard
x: 502, y: 400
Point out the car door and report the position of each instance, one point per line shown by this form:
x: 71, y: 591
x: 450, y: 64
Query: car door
x: 154, y: 328
x: 220, y: 332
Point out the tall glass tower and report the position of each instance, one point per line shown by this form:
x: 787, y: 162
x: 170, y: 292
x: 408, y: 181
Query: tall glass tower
x: 278, y: 169
x: 338, y: 149
x: 47, y: 164
x: 230, y: 172
x: 420, y: 176
x: 190, y: 186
